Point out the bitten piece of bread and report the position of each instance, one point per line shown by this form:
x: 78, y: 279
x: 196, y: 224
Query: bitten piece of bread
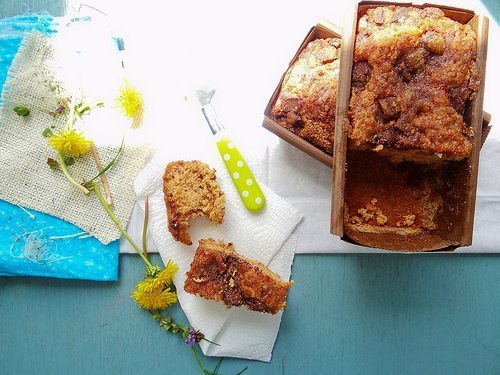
x: 191, y: 191
x: 219, y: 273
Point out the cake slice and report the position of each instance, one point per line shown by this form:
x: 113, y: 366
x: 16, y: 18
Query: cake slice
x: 191, y: 191
x: 219, y: 273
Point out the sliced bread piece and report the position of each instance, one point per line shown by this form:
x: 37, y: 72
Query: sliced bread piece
x: 219, y: 273
x: 191, y: 190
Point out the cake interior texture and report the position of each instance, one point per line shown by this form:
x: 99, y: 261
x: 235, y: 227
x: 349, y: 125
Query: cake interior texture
x: 409, y: 200
x: 219, y: 273
x: 381, y: 195
x: 191, y: 190
x: 414, y: 76
x: 308, y: 96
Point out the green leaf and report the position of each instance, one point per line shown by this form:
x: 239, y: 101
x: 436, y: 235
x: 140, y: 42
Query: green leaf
x: 69, y: 160
x: 47, y: 132
x: 81, y: 108
x: 82, y: 111
x: 53, y: 164
x: 22, y: 110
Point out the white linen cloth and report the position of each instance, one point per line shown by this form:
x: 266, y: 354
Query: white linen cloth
x: 264, y: 236
x: 306, y: 184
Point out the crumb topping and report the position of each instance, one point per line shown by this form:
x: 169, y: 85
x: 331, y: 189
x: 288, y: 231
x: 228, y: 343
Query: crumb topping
x: 414, y: 73
x: 307, y: 100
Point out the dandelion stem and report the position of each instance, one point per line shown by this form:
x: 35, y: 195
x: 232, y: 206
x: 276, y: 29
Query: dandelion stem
x: 112, y: 216
x: 104, y: 179
x: 95, y: 155
x: 198, y: 361
x: 145, y: 227
x: 64, y: 169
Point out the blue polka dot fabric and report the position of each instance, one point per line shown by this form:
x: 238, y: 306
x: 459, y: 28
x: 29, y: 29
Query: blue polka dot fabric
x: 33, y: 243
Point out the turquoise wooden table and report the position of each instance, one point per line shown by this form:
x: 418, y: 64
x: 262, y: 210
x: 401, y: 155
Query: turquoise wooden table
x: 347, y: 314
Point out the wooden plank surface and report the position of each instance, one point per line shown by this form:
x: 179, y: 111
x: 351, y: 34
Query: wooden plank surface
x: 347, y: 314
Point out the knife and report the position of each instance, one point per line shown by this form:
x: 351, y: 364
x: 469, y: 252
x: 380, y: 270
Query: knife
x: 249, y: 190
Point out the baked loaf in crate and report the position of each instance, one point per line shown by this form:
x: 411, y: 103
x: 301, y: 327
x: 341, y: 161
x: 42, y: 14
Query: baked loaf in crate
x: 191, y: 190
x: 308, y: 95
x: 414, y: 73
x: 219, y: 273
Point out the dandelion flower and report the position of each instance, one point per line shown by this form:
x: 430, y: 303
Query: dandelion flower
x: 131, y: 103
x: 148, y: 285
x: 155, y: 299
x: 166, y: 275
x: 69, y: 142
x: 160, y: 280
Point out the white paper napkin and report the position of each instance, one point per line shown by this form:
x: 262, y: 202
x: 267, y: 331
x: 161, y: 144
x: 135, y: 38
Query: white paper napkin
x: 259, y: 236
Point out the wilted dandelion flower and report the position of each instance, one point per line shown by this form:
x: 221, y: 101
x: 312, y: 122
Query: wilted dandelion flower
x: 131, y: 103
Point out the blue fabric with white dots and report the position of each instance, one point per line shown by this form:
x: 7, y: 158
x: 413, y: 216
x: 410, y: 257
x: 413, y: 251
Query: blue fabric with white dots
x: 33, y: 243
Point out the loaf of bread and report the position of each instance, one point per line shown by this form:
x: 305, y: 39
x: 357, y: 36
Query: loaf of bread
x: 308, y: 95
x: 219, y: 273
x: 191, y: 190
x: 414, y: 73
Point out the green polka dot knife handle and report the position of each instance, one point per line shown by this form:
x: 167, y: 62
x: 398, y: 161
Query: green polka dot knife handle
x: 246, y: 185
x: 242, y: 176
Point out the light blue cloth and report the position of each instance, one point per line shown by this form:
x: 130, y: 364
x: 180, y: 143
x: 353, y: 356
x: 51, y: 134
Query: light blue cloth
x: 29, y: 247
x: 26, y: 246
x: 11, y: 34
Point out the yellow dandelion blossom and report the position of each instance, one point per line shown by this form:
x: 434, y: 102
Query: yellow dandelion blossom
x: 148, y: 285
x: 131, y: 102
x: 166, y: 275
x: 69, y: 142
x: 162, y: 279
x: 155, y: 299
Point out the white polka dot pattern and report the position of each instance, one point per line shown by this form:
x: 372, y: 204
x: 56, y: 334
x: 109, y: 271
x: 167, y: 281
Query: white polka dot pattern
x: 242, y: 177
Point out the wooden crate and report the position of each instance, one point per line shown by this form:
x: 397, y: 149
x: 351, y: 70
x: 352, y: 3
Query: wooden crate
x: 459, y: 227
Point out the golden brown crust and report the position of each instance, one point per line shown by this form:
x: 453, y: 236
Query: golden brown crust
x: 394, y: 240
x: 308, y: 96
x: 219, y: 273
x: 414, y: 73
x: 191, y: 191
